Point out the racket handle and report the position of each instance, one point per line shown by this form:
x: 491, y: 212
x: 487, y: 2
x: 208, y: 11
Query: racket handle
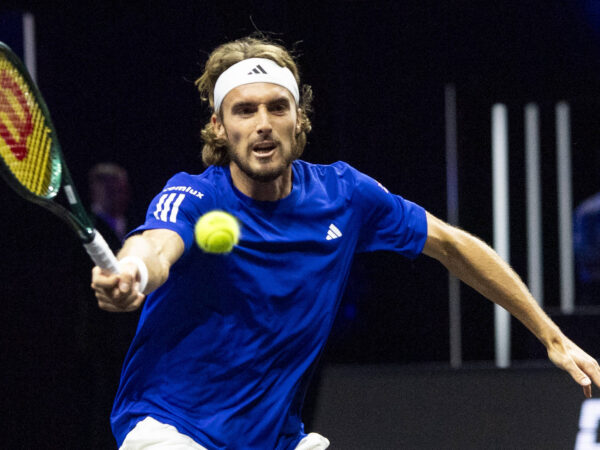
x: 101, y: 253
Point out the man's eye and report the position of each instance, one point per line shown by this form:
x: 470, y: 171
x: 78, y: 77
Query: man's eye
x: 279, y: 108
x: 244, y: 111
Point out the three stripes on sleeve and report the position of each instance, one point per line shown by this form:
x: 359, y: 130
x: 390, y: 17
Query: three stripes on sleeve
x: 168, y: 207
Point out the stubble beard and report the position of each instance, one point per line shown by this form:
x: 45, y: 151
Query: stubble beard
x: 262, y: 176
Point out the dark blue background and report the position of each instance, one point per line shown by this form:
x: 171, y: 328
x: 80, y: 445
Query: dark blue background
x: 118, y: 80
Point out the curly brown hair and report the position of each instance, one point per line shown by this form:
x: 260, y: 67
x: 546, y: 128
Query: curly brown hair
x: 214, y: 151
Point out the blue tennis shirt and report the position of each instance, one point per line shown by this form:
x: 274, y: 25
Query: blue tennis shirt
x: 225, y: 348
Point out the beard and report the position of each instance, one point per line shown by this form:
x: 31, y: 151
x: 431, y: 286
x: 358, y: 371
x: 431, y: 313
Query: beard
x: 265, y: 175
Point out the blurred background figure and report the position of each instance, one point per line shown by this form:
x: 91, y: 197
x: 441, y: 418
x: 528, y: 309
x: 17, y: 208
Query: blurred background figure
x: 107, y: 336
x: 586, y: 237
x: 110, y: 196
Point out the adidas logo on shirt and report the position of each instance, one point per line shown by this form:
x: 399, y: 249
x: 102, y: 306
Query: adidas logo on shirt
x: 333, y: 232
x: 257, y: 69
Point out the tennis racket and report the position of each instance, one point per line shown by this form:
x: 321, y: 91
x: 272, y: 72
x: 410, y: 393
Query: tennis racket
x: 31, y: 161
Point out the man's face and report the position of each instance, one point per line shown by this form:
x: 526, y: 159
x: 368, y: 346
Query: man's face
x: 260, y: 123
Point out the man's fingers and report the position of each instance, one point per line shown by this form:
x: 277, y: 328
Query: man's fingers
x: 117, y: 292
x: 126, y: 280
x: 118, y: 285
x: 138, y: 301
x: 578, y: 375
x: 593, y: 371
x: 582, y: 367
x: 102, y: 280
x: 592, y: 375
x: 130, y: 303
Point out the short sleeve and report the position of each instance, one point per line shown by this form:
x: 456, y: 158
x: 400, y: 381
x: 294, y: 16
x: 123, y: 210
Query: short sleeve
x: 388, y: 221
x: 178, y: 206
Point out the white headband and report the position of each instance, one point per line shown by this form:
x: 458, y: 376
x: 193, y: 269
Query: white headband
x: 254, y: 70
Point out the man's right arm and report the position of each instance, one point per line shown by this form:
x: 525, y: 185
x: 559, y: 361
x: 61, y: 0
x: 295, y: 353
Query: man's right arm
x: 158, y: 249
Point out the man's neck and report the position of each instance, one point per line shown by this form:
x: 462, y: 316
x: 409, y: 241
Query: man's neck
x: 263, y: 191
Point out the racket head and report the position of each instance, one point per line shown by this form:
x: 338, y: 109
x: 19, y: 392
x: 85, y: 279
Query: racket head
x: 30, y: 156
x: 31, y: 160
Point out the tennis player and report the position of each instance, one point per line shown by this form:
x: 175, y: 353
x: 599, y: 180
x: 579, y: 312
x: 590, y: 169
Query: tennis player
x: 226, y: 345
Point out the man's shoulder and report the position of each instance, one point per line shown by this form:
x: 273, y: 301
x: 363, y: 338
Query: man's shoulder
x: 209, y: 178
x: 338, y: 169
x: 204, y: 187
x: 337, y: 180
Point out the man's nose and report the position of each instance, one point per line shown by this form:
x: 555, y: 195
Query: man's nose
x: 263, y: 122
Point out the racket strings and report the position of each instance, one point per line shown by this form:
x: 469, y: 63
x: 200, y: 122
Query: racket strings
x: 25, y: 138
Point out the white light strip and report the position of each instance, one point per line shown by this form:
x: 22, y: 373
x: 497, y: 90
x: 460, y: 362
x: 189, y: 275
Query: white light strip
x: 501, y: 222
x: 533, y: 183
x: 565, y: 208
x: 452, y: 211
x: 29, y: 45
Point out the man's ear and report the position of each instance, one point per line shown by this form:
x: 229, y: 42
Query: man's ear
x: 298, y: 121
x: 217, y: 126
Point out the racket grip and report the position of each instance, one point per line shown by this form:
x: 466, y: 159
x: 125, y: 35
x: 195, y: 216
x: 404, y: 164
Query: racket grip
x: 101, y: 253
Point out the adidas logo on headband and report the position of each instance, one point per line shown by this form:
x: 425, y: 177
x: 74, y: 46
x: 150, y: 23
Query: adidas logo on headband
x: 257, y: 69
x: 254, y: 70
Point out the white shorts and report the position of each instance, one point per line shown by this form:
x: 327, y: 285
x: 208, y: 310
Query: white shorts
x: 150, y: 434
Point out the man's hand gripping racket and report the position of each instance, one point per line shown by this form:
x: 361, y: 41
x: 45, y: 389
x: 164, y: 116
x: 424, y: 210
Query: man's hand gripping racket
x: 31, y: 160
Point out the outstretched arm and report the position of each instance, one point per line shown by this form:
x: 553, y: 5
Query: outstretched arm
x: 157, y: 249
x: 479, y: 266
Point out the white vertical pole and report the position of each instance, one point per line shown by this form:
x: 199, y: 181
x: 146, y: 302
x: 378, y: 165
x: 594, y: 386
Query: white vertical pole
x: 452, y: 207
x: 501, y: 221
x: 565, y: 208
x: 535, y: 267
x: 29, y: 45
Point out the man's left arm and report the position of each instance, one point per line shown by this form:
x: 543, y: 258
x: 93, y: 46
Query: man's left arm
x: 479, y: 266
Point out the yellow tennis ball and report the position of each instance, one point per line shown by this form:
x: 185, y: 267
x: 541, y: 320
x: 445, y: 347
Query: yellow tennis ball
x: 217, y: 232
